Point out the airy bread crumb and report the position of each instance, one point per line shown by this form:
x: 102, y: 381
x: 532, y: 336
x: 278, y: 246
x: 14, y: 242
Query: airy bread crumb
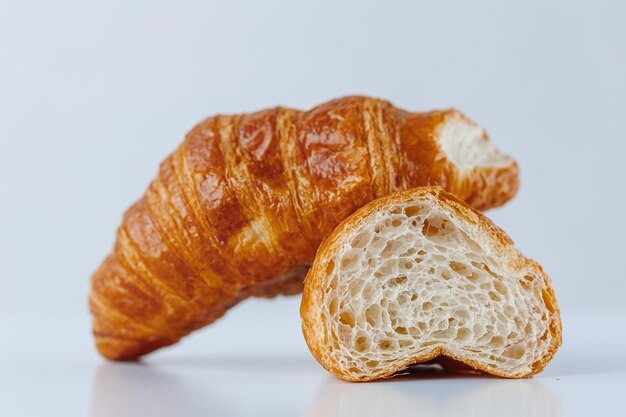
x: 417, y: 275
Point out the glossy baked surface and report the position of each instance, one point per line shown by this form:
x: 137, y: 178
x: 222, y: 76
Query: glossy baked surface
x: 241, y: 206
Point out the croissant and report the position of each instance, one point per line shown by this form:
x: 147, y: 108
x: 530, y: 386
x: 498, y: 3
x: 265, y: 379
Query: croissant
x: 239, y: 209
x: 417, y: 276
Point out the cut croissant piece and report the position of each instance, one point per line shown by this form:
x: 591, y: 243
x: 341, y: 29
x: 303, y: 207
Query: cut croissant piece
x: 239, y: 209
x: 419, y: 275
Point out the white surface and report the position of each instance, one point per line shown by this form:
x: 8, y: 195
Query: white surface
x: 50, y: 370
x: 93, y: 95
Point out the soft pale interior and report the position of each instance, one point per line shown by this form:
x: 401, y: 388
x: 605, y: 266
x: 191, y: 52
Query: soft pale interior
x: 414, y: 279
x: 467, y: 146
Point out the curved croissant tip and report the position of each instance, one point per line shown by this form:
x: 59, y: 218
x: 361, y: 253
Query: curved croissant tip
x: 117, y: 349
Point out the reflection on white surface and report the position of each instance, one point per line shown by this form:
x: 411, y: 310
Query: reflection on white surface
x: 217, y: 386
x: 447, y: 394
x: 139, y: 390
x: 297, y: 386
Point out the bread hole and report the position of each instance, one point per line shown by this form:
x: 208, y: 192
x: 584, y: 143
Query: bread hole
x: 393, y: 317
x: 490, y: 272
x: 371, y: 364
x: 528, y: 329
x: 413, y: 297
x: 385, y: 345
x: 421, y: 252
x: 388, y: 267
x: 408, y: 265
x: 332, y: 308
x: 499, y: 286
x: 395, y: 210
x: 514, y: 352
x: 390, y: 249
x: 524, y: 284
x: 482, y: 298
x: 405, y: 343
x: 330, y: 267
x: 445, y: 274
x: 494, y: 296
x: 414, y: 332
x: 512, y: 335
x: 463, y: 334
x: 396, y: 222
x: 496, y: 342
x: 354, y: 370
x: 361, y: 343
x: 356, y: 287
x: 548, y: 300
x: 333, y: 282
x: 368, y: 291
x: 361, y: 240
x: 400, y: 330
x: 427, y: 306
x: 443, y: 334
x: 422, y: 326
x: 430, y: 343
x: 347, y: 318
x: 438, y: 259
x: 529, y: 278
x: 460, y: 268
x: 403, y: 298
x: 350, y: 260
x: 478, y: 265
x: 377, y: 244
x: 345, y: 335
x: 461, y: 314
x: 372, y: 315
x: 418, y: 260
x: 442, y: 324
x: 476, y: 277
x: 401, y: 280
x: 469, y: 242
x: 431, y: 271
x: 411, y: 211
x: 429, y: 230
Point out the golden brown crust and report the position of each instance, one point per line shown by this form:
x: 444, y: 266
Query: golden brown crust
x: 246, y: 198
x: 312, y: 321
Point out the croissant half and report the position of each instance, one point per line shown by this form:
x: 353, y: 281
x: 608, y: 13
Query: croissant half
x: 239, y: 209
x: 418, y: 276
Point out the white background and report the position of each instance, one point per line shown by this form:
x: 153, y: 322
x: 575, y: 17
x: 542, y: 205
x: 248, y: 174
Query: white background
x: 93, y: 95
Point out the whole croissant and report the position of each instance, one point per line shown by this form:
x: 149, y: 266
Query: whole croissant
x: 239, y: 209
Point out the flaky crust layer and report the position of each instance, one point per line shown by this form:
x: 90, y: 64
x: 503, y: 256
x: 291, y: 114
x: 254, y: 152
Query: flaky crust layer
x: 313, y: 323
x: 239, y: 209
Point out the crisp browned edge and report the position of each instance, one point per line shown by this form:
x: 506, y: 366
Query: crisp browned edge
x: 309, y: 307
